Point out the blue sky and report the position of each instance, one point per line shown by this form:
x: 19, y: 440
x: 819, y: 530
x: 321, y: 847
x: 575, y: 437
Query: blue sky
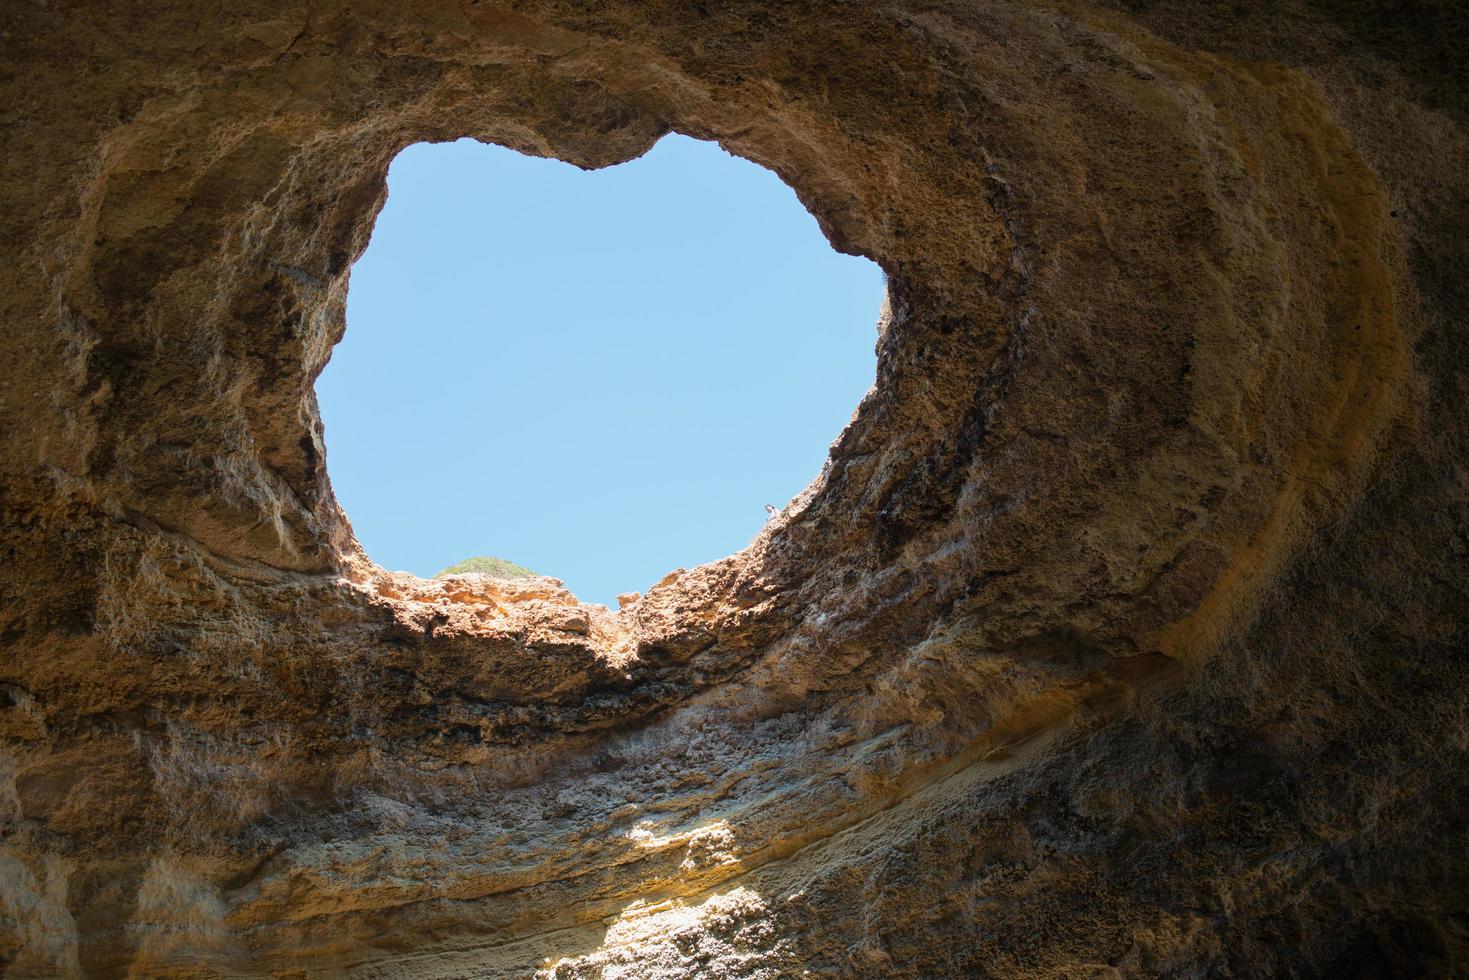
x: 601, y: 376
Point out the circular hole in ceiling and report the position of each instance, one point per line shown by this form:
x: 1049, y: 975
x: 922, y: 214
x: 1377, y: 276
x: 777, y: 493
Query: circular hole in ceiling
x: 598, y: 376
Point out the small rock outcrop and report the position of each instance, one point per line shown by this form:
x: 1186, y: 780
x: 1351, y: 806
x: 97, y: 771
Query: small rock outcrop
x: 1122, y: 634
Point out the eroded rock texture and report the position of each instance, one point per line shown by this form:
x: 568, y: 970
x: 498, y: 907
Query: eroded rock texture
x: 1123, y: 633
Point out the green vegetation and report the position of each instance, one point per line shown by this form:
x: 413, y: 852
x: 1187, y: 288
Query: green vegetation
x: 485, y: 565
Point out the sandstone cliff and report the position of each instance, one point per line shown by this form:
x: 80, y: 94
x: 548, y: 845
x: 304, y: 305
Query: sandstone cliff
x: 1122, y: 634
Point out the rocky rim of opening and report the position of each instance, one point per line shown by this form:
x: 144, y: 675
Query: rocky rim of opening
x: 1122, y: 631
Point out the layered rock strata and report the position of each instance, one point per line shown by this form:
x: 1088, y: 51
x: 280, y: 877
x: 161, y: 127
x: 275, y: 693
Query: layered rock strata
x: 1122, y: 634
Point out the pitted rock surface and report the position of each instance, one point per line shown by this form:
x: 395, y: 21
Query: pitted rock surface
x: 1122, y: 634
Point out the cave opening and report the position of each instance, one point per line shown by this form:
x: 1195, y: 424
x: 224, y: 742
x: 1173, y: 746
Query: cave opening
x: 594, y: 375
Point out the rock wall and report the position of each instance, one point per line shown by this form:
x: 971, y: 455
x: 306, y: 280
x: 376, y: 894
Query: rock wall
x: 1122, y: 634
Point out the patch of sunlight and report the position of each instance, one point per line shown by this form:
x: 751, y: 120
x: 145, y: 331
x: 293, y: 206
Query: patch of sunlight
x: 732, y: 932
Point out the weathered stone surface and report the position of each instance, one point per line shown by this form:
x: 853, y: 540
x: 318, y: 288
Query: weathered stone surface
x: 1123, y: 633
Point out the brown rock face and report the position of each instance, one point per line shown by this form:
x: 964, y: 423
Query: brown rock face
x: 1123, y: 633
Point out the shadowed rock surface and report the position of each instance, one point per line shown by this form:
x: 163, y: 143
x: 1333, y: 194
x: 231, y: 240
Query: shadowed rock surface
x: 1123, y: 633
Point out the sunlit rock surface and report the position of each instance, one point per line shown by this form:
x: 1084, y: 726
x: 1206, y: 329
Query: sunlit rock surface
x: 1123, y: 633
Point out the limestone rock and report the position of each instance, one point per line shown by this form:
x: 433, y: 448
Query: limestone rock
x: 1122, y: 634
